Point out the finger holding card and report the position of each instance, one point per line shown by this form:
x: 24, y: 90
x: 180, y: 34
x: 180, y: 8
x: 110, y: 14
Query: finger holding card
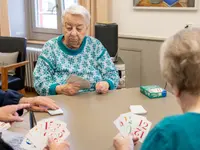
x: 69, y: 89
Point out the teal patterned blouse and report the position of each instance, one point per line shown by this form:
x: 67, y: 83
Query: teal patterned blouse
x: 57, y: 62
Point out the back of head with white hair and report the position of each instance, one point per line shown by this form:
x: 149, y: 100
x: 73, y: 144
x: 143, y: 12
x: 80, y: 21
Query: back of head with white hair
x: 78, y: 10
x: 180, y: 60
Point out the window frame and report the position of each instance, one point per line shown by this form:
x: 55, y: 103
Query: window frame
x: 43, y: 34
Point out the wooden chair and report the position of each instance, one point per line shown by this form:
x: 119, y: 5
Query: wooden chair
x: 16, y: 82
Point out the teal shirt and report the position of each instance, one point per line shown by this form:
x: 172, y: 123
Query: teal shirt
x: 57, y: 62
x: 181, y: 132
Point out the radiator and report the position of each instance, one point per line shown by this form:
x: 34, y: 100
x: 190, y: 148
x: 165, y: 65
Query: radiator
x: 32, y: 56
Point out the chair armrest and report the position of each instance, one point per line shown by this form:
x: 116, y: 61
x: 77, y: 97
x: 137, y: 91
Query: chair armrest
x: 14, y: 66
x: 4, y: 73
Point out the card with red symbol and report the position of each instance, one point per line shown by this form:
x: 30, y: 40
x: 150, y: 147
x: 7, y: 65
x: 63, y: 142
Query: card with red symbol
x: 132, y: 124
x: 45, y: 129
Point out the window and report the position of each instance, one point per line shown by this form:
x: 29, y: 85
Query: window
x: 45, y: 17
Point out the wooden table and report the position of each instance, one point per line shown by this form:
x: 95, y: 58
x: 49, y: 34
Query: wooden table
x: 90, y: 117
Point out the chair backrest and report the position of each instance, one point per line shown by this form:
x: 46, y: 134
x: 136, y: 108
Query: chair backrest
x: 14, y: 44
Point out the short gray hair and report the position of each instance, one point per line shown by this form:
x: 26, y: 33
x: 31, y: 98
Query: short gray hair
x: 77, y: 10
x: 180, y: 60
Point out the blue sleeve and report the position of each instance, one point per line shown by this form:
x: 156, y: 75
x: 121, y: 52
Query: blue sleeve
x: 44, y: 83
x: 158, y: 139
x: 107, y: 67
x: 10, y: 97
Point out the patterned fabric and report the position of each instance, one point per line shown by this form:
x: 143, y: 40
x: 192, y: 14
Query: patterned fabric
x: 57, y: 62
x: 13, y: 139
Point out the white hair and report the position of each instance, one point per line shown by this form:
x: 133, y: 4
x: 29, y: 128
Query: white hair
x: 77, y: 10
x: 180, y: 60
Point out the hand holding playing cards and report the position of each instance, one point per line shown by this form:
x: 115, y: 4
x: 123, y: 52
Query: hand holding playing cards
x: 124, y: 143
x: 69, y: 89
x: 39, y: 103
x: 102, y: 87
x: 9, y: 113
x: 57, y: 146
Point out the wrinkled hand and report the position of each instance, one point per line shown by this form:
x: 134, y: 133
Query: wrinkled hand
x: 124, y: 143
x: 57, y: 146
x: 9, y: 113
x: 69, y: 89
x: 39, y: 103
x: 102, y: 87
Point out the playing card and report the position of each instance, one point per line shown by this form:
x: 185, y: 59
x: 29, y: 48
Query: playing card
x: 45, y: 129
x: 55, y: 112
x: 141, y: 129
x: 27, y: 144
x: 132, y: 124
x: 4, y: 126
x: 35, y: 135
x: 129, y: 117
x: 137, y: 109
x: 84, y: 84
x: 128, y: 120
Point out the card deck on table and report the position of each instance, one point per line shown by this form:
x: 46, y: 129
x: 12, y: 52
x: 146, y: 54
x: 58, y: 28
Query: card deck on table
x: 55, y: 112
x: 137, y: 109
x: 132, y: 124
x: 47, y: 128
x: 84, y: 84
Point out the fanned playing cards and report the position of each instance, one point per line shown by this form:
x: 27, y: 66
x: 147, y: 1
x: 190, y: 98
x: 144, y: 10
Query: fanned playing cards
x: 37, y: 138
x: 132, y: 124
x: 84, y: 84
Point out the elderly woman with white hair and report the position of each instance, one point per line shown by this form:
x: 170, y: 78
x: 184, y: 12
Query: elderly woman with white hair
x: 74, y: 53
x: 180, y: 66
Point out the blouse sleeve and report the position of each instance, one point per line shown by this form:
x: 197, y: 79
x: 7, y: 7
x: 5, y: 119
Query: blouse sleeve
x: 157, y: 139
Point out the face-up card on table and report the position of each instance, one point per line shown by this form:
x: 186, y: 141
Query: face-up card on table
x: 84, y: 84
x: 55, y: 112
x: 137, y: 109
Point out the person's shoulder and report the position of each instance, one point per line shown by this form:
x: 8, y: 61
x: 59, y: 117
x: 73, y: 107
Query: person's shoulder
x: 49, y: 47
x: 52, y: 41
x: 175, y: 123
x: 92, y: 40
x: 164, y: 133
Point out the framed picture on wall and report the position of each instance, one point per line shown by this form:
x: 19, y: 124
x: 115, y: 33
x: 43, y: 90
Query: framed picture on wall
x: 166, y: 4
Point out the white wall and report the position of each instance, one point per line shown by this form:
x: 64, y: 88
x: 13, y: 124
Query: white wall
x: 151, y: 23
x: 16, y: 11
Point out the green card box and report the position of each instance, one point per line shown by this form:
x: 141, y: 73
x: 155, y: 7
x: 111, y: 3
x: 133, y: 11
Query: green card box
x: 153, y: 91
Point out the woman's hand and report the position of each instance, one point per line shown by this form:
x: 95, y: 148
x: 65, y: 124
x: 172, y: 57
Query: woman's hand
x: 39, y: 103
x: 9, y: 113
x: 52, y: 145
x: 69, y: 89
x: 102, y: 87
x: 124, y: 143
